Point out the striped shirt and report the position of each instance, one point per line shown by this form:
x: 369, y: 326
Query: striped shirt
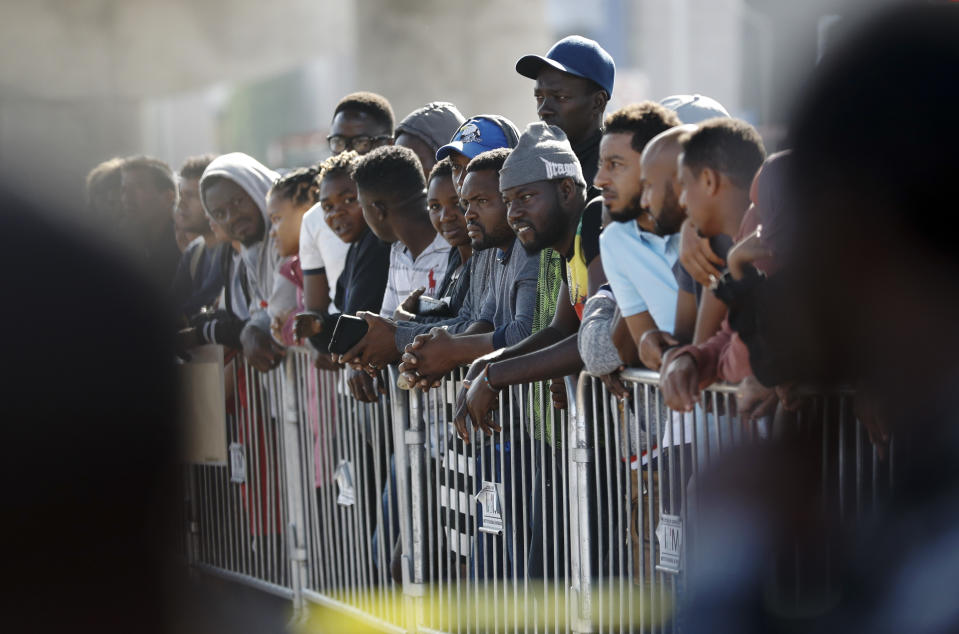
x: 407, y: 274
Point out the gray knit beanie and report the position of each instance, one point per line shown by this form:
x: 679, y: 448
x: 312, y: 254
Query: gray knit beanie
x: 542, y: 154
x: 595, y: 339
x: 435, y: 123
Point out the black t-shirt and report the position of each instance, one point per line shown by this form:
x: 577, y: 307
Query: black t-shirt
x: 361, y: 284
x: 588, y: 154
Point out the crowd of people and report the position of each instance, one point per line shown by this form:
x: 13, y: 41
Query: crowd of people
x: 462, y: 241
x: 651, y: 236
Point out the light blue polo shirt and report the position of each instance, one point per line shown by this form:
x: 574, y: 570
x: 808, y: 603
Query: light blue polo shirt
x: 639, y: 268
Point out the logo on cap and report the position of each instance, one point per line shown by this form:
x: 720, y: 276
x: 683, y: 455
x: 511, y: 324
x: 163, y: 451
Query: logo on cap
x: 558, y: 170
x: 470, y: 133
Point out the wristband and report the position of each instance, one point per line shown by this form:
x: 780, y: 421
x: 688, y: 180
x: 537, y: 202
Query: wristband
x: 484, y: 375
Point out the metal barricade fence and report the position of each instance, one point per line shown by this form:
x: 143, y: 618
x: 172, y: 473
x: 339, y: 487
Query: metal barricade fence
x: 567, y: 521
x: 238, y: 509
x: 641, y: 464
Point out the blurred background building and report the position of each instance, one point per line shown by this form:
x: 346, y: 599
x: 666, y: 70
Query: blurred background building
x: 85, y: 80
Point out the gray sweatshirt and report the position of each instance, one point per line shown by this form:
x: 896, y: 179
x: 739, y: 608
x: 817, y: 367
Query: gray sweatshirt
x: 270, y: 294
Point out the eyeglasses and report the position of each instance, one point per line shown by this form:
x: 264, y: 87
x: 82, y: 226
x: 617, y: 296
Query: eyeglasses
x: 361, y: 143
x: 220, y: 214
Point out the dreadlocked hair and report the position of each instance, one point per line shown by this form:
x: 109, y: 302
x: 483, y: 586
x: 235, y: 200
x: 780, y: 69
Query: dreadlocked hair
x: 298, y: 186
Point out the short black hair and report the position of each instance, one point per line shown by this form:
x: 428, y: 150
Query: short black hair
x: 376, y: 106
x: 104, y: 176
x: 298, y: 185
x: 489, y: 160
x: 644, y: 120
x: 729, y: 146
x: 194, y: 166
x: 162, y: 174
x: 441, y: 169
x: 341, y: 163
x: 392, y: 170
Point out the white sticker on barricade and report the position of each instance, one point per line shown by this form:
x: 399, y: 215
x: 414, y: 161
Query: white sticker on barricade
x: 669, y: 533
x: 344, y: 480
x: 490, y: 498
x: 237, y: 463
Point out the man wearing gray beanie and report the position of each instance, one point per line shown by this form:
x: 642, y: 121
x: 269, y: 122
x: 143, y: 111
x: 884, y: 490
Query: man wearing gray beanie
x: 545, y: 193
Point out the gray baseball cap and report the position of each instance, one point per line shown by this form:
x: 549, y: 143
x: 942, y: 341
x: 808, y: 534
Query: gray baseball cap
x: 434, y: 123
x: 694, y: 108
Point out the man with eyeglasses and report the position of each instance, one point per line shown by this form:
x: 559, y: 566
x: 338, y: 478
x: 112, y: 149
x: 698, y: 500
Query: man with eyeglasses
x: 361, y: 122
x: 233, y: 189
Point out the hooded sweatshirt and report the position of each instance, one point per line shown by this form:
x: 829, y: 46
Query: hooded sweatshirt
x: 268, y: 294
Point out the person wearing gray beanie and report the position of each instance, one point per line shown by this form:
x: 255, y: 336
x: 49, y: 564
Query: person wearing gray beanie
x: 545, y: 193
x: 427, y: 129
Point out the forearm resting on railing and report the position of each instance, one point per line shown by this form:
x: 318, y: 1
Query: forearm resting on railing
x: 557, y: 360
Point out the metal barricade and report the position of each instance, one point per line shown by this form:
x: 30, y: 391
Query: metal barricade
x: 490, y: 532
x: 238, y: 509
x: 577, y: 520
x: 637, y: 467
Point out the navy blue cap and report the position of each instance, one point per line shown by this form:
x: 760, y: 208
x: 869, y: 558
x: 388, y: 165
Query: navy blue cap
x: 575, y: 55
x: 477, y: 135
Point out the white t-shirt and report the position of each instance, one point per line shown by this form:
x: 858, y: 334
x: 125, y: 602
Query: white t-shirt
x: 407, y: 274
x: 320, y: 248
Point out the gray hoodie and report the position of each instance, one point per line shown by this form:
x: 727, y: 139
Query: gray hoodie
x: 269, y: 294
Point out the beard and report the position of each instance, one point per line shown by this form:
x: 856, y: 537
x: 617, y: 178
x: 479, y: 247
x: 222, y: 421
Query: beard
x: 671, y: 215
x: 547, y: 237
x: 631, y: 211
x: 501, y: 236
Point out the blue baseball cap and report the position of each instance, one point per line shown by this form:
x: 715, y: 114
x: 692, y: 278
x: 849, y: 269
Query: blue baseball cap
x: 575, y: 55
x: 477, y: 135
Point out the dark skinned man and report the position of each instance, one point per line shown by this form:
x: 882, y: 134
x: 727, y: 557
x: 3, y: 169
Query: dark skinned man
x: 233, y: 190
x: 574, y: 82
x: 392, y: 192
x: 545, y: 194
x: 362, y: 121
x: 506, y: 318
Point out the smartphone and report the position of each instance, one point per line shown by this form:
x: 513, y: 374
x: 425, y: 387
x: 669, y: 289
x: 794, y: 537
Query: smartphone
x: 347, y: 333
x: 431, y: 306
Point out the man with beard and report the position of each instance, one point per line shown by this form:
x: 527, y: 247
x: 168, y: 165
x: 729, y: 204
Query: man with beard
x: 233, y: 189
x: 641, y: 248
x: 506, y: 315
x: 545, y: 195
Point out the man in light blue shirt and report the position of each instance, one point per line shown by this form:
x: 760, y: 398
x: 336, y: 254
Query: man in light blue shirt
x: 641, y: 248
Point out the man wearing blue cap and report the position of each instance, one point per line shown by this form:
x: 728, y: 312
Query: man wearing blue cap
x: 574, y: 82
x: 478, y: 134
x: 386, y: 339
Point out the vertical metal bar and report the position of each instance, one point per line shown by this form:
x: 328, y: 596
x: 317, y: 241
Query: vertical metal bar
x: 269, y: 428
x: 610, y: 461
x: 579, y: 505
x: 561, y: 429
x: 518, y: 430
x: 368, y: 520
x: 348, y: 407
x: 380, y: 583
x: 555, y: 484
x: 600, y: 580
x: 617, y: 452
x: 253, y: 475
x: 631, y: 414
x: 334, y: 423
